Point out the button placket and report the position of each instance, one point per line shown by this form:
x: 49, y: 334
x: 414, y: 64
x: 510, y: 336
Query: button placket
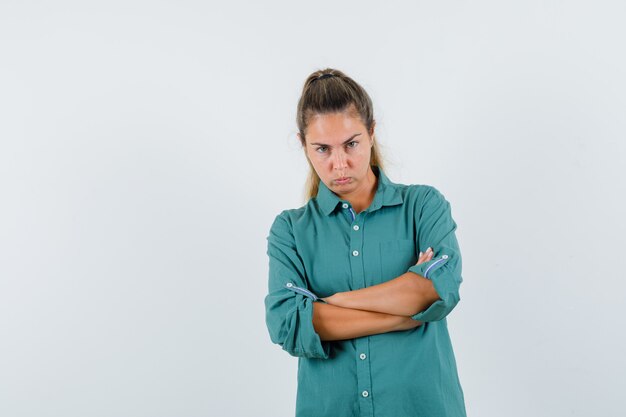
x: 363, y: 370
x: 348, y: 212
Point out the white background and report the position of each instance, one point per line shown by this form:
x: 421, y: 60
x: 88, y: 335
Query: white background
x: 146, y: 147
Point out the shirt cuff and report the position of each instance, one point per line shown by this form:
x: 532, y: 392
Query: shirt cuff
x: 444, y: 285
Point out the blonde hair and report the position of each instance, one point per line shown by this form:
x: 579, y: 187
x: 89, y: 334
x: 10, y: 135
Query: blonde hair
x: 330, y: 91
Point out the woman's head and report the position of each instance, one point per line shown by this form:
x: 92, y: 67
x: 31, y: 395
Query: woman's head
x: 335, y: 119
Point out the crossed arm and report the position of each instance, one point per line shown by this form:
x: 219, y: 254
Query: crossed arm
x: 377, y: 309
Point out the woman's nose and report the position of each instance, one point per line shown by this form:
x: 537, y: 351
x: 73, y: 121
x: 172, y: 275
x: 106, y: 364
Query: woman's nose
x: 340, y: 161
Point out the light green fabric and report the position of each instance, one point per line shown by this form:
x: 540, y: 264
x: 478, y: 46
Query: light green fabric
x: 315, y: 251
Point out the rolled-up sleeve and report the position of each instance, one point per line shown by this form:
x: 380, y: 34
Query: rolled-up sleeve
x: 289, y: 302
x: 436, y: 228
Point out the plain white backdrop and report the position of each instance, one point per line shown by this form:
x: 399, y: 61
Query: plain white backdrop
x: 146, y: 147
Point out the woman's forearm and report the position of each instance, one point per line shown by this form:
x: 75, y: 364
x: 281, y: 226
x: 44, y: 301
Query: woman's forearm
x: 405, y: 295
x: 333, y: 322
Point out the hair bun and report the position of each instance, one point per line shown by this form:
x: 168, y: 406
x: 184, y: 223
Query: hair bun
x: 327, y: 75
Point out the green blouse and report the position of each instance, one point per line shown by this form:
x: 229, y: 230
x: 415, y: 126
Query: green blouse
x: 324, y: 247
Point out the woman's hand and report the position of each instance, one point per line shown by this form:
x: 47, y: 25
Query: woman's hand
x: 425, y: 256
x: 408, y: 323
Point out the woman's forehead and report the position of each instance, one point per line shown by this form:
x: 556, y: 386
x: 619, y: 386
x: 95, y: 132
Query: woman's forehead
x: 334, y: 127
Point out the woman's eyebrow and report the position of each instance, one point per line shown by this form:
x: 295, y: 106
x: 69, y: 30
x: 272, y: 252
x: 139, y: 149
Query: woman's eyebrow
x: 344, y: 142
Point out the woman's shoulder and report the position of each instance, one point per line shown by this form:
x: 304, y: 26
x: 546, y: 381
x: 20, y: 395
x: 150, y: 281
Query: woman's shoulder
x: 424, y: 198
x: 418, y: 191
x: 427, y: 198
x: 292, y: 214
x: 290, y: 217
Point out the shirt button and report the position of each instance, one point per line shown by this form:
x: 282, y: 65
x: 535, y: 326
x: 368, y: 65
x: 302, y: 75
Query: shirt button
x: 344, y: 205
x: 444, y: 256
x: 355, y: 253
x: 355, y: 227
x: 363, y: 356
x: 289, y: 284
x: 365, y: 393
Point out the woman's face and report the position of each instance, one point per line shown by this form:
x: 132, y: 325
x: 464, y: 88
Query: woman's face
x: 339, y: 147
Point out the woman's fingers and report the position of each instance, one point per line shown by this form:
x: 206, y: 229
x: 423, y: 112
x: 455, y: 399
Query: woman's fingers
x: 425, y: 256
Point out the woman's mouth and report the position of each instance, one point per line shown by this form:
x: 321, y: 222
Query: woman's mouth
x: 342, y: 181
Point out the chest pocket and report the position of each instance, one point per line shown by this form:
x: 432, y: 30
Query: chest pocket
x: 396, y: 257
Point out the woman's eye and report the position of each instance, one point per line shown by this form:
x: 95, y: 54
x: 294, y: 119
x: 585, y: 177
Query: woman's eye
x: 353, y: 144
x: 321, y: 149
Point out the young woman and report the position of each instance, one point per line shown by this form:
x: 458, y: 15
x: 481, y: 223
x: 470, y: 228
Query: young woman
x: 362, y: 277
